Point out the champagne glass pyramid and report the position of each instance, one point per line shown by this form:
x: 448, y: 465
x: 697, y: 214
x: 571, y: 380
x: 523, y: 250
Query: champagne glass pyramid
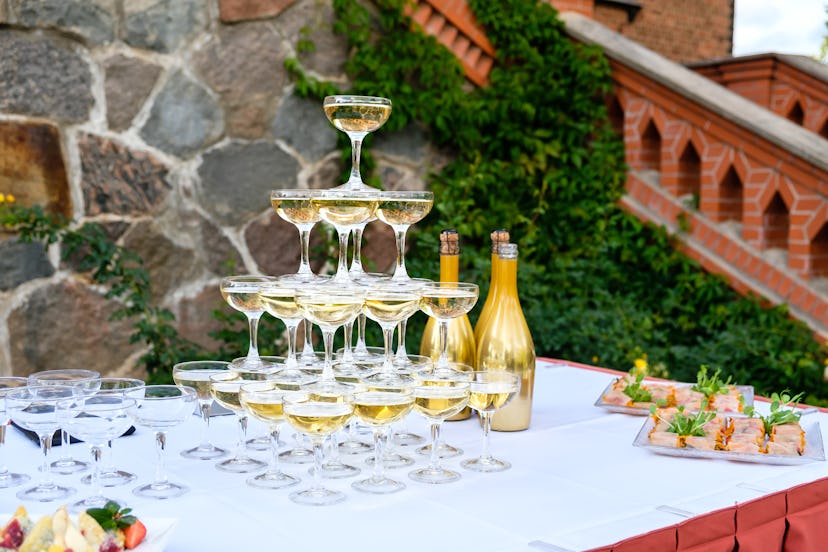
x: 242, y: 293
x: 356, y: 116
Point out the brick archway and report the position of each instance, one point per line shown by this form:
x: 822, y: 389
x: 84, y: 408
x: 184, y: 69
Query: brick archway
x: 651, y: 147
x: 775, y: 223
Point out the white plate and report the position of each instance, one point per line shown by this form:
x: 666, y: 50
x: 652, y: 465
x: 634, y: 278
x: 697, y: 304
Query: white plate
x: 745, y: 390
x: 813, y: 448
x: 159, y: 530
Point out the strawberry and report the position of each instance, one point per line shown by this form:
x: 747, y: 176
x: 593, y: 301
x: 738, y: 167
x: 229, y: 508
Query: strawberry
x: 134, y: 534
x: 12, y: 535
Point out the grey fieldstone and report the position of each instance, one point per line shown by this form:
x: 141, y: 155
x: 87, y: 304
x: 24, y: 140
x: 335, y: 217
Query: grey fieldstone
x: 409, y: 145
x: 112, y: 230
x: 163, y: 25
x: 184, y: 117
x: 302, y: 124
x: 94, y: 20
x: 42, y: 76
x: 274, y: 245
x: 127, y: 84
x: 328, y: 174
x: 218, y: 251
x: 396, y: 177
x: 379, y: 248
x: 312, y: 20
x: 21, y: 262
x: 244, y: 64
x: 194, y: 316
x: 236, y: 179
x: 118, y: 180
x: 67, y: 325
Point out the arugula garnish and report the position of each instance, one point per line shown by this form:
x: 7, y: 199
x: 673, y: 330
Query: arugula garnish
x: 782, y: 410
x: 111, y: 517
x: 686, y: 424
x: 637, y: 393
x: 710, y: 385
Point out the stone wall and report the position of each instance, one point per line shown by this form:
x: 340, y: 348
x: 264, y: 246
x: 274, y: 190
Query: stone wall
x: 168, y: 121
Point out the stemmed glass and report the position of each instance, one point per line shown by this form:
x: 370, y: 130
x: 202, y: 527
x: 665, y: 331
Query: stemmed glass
x: 264, y: 401
x: 7, y: 478
x: 96, y: 420
x: 35, y: 408
x: 86, y: 382
x: 438, y: 402
x: 196, y: 374
x: 356, y: 116
x: 295, y: 207
x: 279, y: 301
x: 399, y: 210
x: 388, y: 305
x: 226, y: 388
x: 317, y: 419
x: 242, y: 293
x: 294, y: 380
x: 379, y: 408
x: 445, y: 301
x: 488, y: 392
x: 161, y: 407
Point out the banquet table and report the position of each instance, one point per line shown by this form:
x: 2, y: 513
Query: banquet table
x: 576, y: 483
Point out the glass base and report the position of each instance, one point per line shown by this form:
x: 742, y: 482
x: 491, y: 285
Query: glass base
x: 434, y: 476
x: 259, y: 444
x: 161, y: 491
x: 96, y: 501
x: 407, y: 439
x: 486, y: 464
x: 311, y: 361
x: 273, y: 480
x: 240, y: 464
x: 66, y: 466
x: 45, y: 493
x: 444, y: 450
x: 337, y: 470
x: 8, y: 480
x: 317, y: 497
x: 393, y: 461
x: 354, y: 447
x: 110, y: 478
x: 378, y: 485
x: 297, y: 456
x: 368, y: 355
x: 204, y: 452
x: 253, y: 364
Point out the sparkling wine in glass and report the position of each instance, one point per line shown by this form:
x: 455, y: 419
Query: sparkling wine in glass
x: 7, y: 478
x: 242, y: 293
x: 295, y: 207
x: 161, y: 408
x: 196, y: 374
x: 86, y: 382
x: 388, y: 305
x: 489, y: 391
x: 226, y: 389
x: 279, y: 301
x: 444, y: 301
x: 35, y: 408
x: 399, y: 210
x: 317, y: 419
x: 356, y: 116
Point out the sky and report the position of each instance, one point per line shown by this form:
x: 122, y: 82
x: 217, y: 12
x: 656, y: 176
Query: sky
x: 781, y: 26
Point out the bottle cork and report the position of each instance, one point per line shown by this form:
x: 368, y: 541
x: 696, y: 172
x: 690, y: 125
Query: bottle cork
x: 501, y: 235
x: 449, y: 242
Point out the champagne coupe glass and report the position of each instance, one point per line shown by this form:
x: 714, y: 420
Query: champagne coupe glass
x: 35, y: 408
x: 279, y: 301
x: 295, y: 207
x: 7, y: 478
x: 488, y: 392
x: 96, y: 420
x: 402, y: 360
x: 196, y: 374
x: 294, y: 380
x: 388, y: 305
x: 458, y: 372
x: 86, y: 382
x: 344, y: 209
x: 356, y: 116
x: 111, y: 476
x: 226, y: 388
x: 273, y: 364
x: 438, y: 402
x: 379, y: 408
x: 264, y: 401
x: 160, y: 408
x: 317, y: 419
x: 399, y: 210
x: 242, y: 293
x: 444, y: 301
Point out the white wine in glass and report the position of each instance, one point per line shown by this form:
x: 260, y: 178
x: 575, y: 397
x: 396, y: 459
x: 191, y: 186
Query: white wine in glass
x: 295, y: 207
x: 197, y: 374
x: 242, y: 293
x: 489, y: 391
x: 399, y: 210
x: 445, y: 301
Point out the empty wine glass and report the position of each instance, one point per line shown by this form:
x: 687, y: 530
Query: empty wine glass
x: 488, y: 392
x: 445, y: 301
x: 160, y: 408
x: 35, y: 408
x: 7, y: 478
x: 225, y: 388
x: 356, y: 116
x: 96, y: 420
x: 399, y: 210
x: 242, y: 293
x: 295, y: 207
x: 317, y: 419
x: 196, y: 374
x: 86, y: 382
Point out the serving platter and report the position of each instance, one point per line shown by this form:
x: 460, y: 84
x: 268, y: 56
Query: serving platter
x: 643, y: 409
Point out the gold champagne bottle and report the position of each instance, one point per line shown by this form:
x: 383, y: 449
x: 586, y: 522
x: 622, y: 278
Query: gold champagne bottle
x: 461, y: 345
x: 498, y: 237
x: 506, y: 344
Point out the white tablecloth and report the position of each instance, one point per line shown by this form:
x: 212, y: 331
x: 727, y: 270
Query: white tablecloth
x: 576, y: 482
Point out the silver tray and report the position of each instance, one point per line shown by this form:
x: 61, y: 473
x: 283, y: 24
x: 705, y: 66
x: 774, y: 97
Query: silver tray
x: 814, y: 451
x: 745, y: 390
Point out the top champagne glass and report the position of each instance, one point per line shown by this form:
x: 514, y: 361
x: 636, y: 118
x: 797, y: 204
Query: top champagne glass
x: 356, y: 116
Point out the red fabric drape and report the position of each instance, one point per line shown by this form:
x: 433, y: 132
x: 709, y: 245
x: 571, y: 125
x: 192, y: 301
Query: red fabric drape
x: 713, y: 532
x: 660, y: 540
x: 760, y: 523
x: 807, y: 518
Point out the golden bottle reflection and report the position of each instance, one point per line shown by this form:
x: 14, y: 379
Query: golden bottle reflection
x: 506, y: 344
x: 498, y: 237
x: 461, y: 345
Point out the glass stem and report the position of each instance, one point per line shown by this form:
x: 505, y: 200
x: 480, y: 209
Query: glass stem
x: 356, y: 154
x: 45, y: 447
x: 160, y: 448
x: 317, y: 463
x: 400, y: 272
x: 253, y: 326
x: 434, y: 460
x: 443, y: 362
x: 342, y: 267
x: 304, y: 241
x: 274, y: 449
x: 327, y: 370
x: 308, y: 346
x: 242, y: 435
x: 96, y: 470
x: 360, y: 346
x: 64, y: 442
x: 348, y: 355
x: 388, y: 339
x: 380, y: 435
x: 486, y: 418
x: 205, y: 431
x: 356, y: 260
x: 292, y: 329
x: 402, y: 354
x: 108, y: 462
x: 4, y: 469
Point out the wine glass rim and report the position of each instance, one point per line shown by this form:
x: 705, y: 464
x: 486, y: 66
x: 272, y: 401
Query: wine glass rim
x: 15, y: 379
x: 26, y: 393
x: 344, y: 193
x: 355, y: 98
x: 355, y: 292
x: 125, y: 402
x: 414, y: 194
x: 291, y: 192
x: 174, y: 392
x: 78, y: 375
x: 208, y: 364
x: 247, y: 279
